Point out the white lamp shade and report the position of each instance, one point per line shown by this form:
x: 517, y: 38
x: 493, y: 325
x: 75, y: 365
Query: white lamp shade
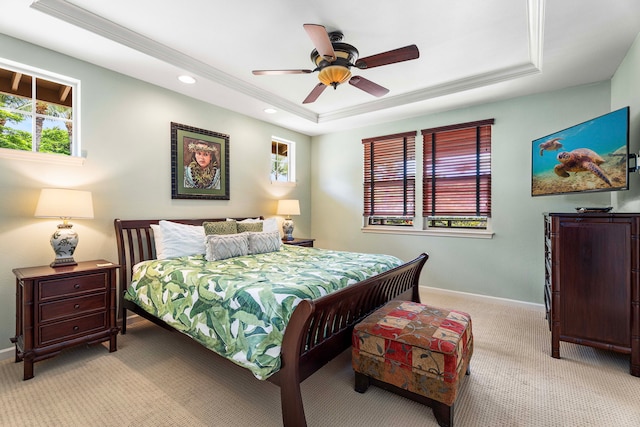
x: 288, y: 207
x: 62, y: 203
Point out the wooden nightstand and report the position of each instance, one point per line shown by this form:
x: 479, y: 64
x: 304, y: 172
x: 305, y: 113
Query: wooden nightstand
x: 61, y: 307
x: 299, y: 241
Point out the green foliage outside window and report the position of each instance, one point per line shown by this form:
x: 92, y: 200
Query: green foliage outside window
x: 36, y: 114
x: 50, y: 140
x: 458, y: 222
x: 279, y: 168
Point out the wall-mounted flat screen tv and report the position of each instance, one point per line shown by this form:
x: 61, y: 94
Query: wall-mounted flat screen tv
x: 590, y: 156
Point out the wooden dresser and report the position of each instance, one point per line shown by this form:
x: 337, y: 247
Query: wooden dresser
x: 61, y: 307
x: 592, y: 282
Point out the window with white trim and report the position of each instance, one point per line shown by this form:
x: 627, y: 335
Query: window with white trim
x: 37, y: 111
x: 455, y: 179
x: 457, y: 175
x: 282, y: 160
x: 389, y: 179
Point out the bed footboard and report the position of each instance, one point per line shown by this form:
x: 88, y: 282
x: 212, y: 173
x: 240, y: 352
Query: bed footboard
x: 319, y: 330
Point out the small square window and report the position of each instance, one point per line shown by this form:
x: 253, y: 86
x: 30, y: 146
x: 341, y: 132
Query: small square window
x: 36, y: 111
x: 282, y: 160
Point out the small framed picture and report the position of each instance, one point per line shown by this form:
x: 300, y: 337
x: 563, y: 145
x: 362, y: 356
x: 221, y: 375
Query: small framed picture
x: 199, y: 163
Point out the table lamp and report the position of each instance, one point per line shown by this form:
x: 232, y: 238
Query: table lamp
x: 288, y: 208
x: 64, y: 204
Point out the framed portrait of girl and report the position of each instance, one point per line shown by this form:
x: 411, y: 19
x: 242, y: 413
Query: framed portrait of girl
x: 199, y: 163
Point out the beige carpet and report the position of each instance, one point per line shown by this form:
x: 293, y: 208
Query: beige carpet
x: 159, y: 378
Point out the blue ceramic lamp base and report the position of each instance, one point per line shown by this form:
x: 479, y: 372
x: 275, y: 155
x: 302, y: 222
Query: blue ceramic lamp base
x: 64, y: 242
x: 287, y: 228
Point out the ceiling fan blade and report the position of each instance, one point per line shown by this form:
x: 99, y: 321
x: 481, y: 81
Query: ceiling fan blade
x: 320, y: 39
x: 278, y: 72
x: 368, y: 86
x: 391, y: 57
x: 315, y: 93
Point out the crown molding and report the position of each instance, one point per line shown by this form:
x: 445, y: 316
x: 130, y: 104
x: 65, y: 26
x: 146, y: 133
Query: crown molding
x: 82, y: 18
x: 91, y: 22
x: 460, y: 85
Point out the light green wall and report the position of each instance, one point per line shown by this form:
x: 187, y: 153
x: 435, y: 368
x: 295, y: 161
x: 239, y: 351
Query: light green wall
x: 126, y: 139
x: 625, y: 91
x: 511, y: 264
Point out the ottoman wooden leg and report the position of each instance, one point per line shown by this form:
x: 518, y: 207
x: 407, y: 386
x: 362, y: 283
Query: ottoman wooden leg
x: 362, y: 382
x: 443, y: 414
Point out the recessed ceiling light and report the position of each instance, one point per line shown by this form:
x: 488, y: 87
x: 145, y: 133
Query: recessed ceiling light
x: 187, y: 79
x: 270, y: 110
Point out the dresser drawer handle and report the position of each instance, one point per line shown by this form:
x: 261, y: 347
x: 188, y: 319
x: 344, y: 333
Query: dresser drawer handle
x: 75, y: 328
x: 77, y: 306
x: 76, y: 286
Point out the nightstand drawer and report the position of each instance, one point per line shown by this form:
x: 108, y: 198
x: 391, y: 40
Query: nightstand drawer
x: 69, y: 329
x: 72, y: 307
x: 48, y: 289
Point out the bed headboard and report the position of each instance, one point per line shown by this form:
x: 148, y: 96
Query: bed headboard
x: 135, y: 242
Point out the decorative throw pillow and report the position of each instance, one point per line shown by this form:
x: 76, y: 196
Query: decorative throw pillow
x: 220, y: 227
x: 157, y: 240
x: 181, y: 239
x: 223, y: 246
x: 260, y: 243
x: 250, y: 226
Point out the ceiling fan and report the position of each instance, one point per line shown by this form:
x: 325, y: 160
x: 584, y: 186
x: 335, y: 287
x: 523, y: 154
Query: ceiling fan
x: 333, y: 60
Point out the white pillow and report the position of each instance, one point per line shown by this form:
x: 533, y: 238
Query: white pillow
x: 247, y: 220
x: 260, y: 243
x: 269, y: 225
x: 223, y: 246
x: 181, y: 239
x: 157, y: 239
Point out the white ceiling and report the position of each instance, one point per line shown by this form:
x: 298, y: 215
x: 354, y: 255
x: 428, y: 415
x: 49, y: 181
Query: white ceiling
x: 470, y: 51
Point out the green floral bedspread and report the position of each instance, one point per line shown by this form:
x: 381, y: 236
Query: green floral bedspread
x: 239, y: 307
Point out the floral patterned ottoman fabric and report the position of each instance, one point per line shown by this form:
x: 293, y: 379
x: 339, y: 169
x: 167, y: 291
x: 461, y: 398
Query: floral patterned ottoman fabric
x: 419, y: 348
x: 239, y: 307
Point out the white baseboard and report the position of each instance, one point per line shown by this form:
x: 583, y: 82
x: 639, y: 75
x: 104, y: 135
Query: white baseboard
x: 506, y: 301
x: 7, y: 353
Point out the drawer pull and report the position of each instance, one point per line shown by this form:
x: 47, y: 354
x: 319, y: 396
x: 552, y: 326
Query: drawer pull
x: 75, y: 328
x: 76, y: 286
x: 77, y: 306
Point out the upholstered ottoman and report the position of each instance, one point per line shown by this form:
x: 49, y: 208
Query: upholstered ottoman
x: 414, y: 350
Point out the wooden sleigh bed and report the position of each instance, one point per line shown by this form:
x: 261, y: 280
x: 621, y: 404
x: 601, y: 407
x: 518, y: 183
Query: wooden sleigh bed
x: 318, y: 330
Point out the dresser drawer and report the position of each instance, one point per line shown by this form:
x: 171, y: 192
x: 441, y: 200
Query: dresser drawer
x: 49, y: 289
x: 72, y: 306
x: 69, y: 329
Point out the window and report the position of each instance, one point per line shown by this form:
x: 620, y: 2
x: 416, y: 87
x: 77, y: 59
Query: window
x: 282, y: 160
x: 37, y: 111
x: 389, y: 179
x: 455, y: 180
x: 457, y: 175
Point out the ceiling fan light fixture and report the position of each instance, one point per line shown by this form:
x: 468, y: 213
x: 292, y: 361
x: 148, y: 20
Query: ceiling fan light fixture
x: 333, y: 60
x: 333, y: 75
